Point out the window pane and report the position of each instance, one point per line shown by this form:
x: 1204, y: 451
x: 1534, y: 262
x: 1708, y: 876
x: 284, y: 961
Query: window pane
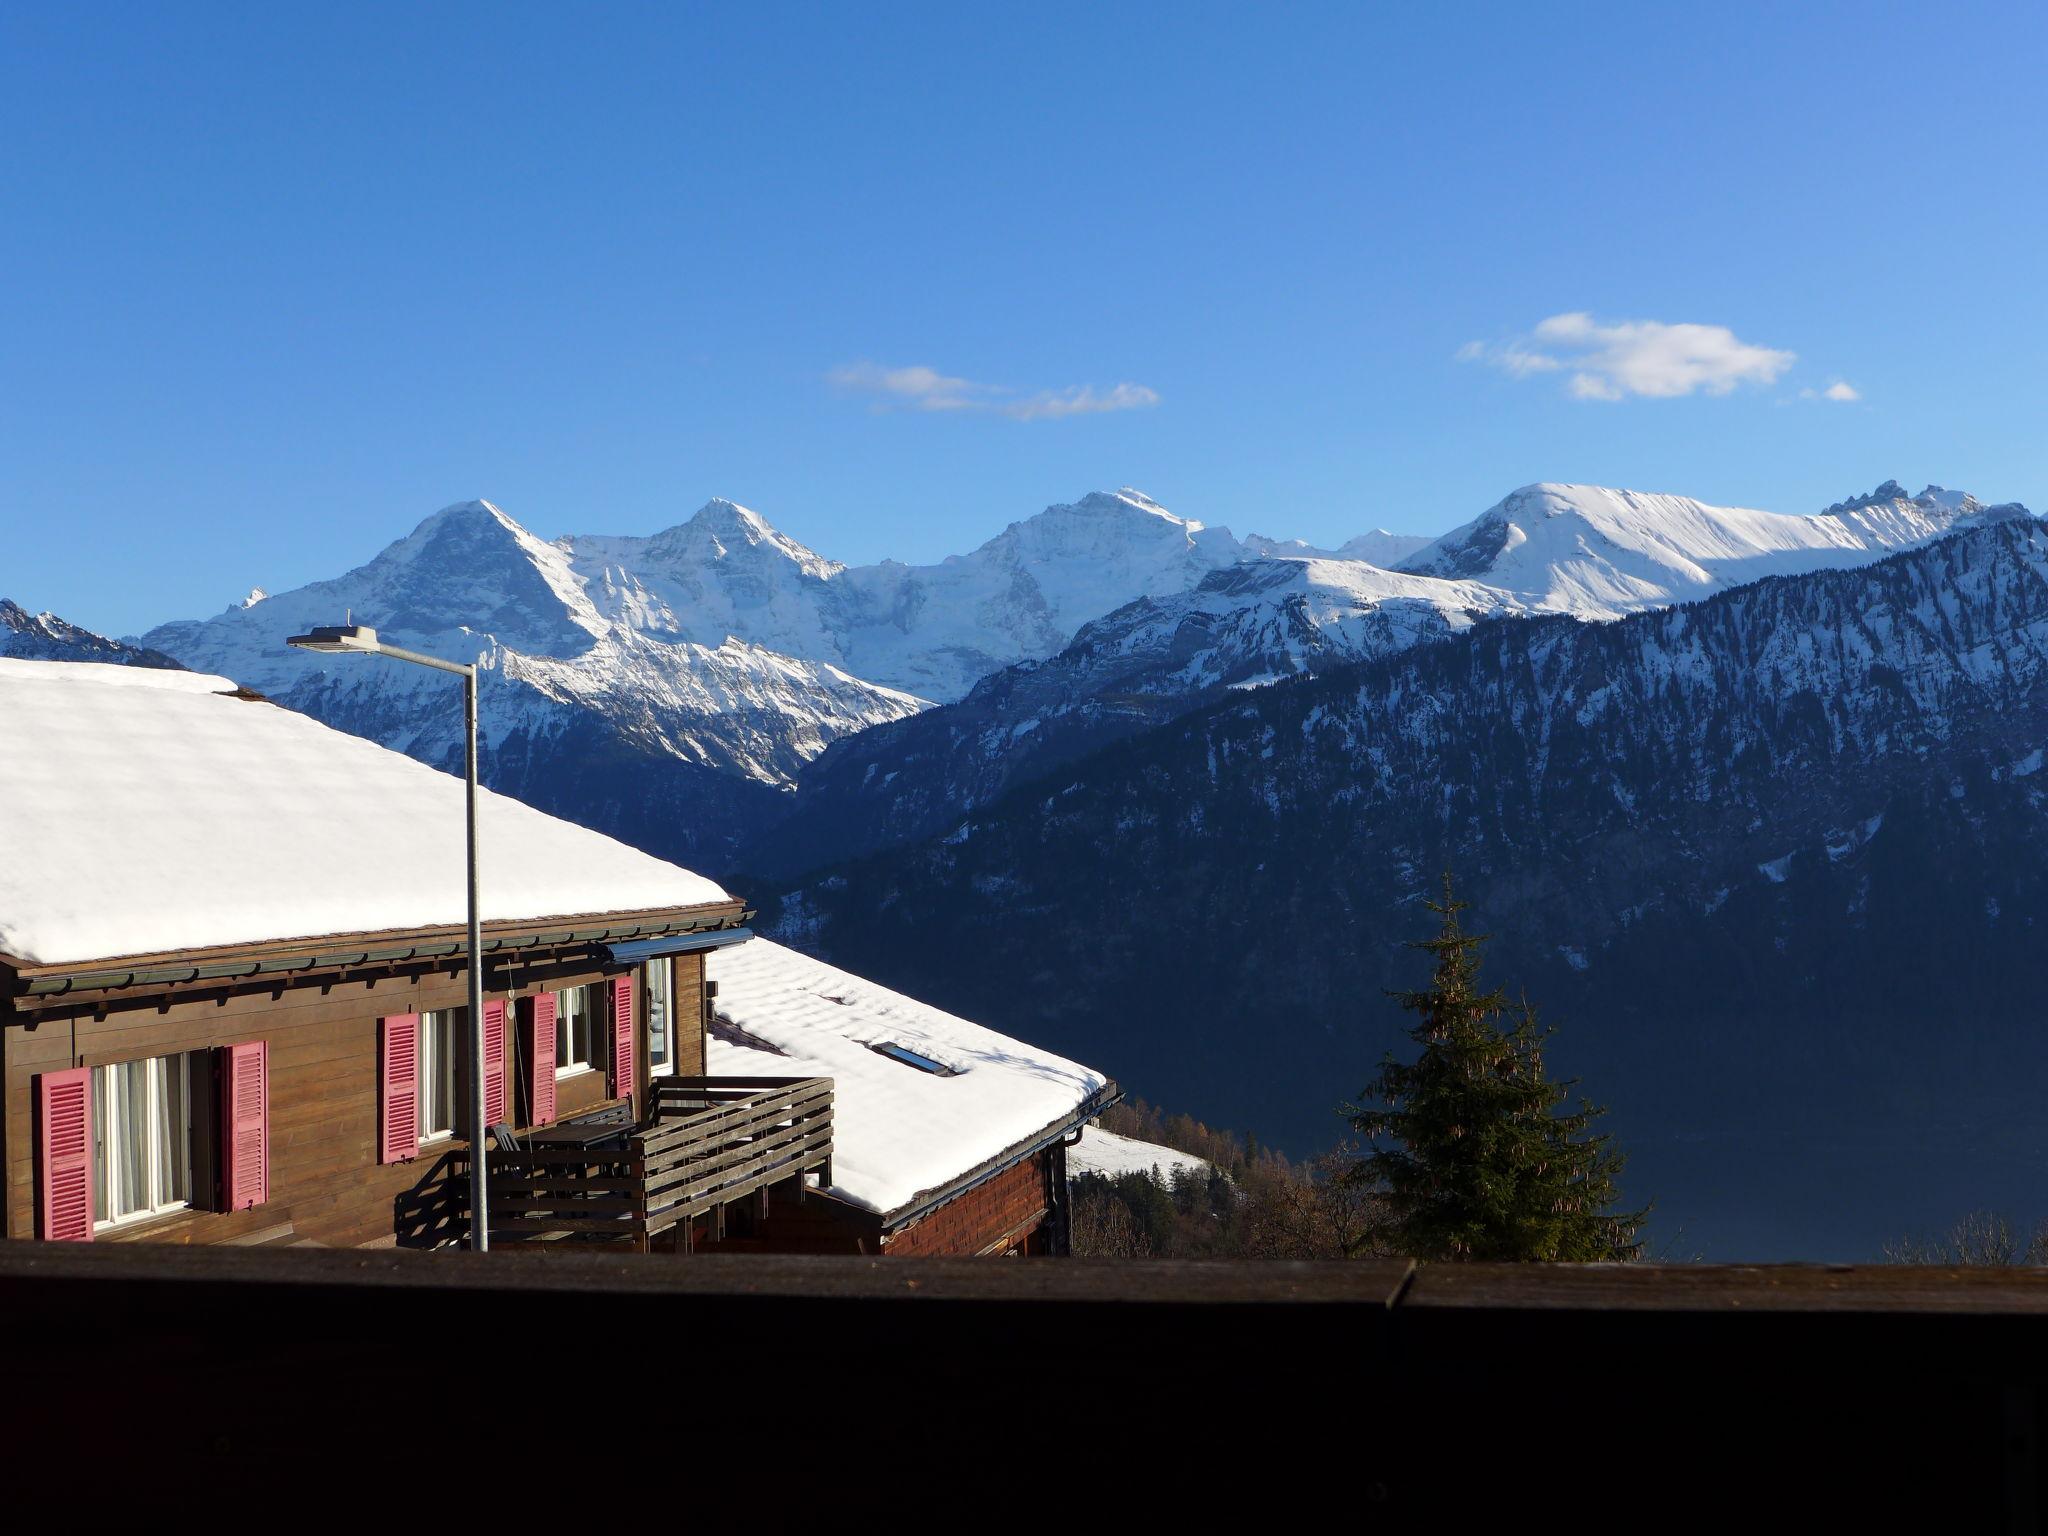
x: 657, y: 973
x: 441, y: 1035
x: 131, y: 1193
x: 174, y: 1137
x: 454, y: 1031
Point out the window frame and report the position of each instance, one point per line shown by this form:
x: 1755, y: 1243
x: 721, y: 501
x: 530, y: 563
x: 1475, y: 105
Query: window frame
x: 666, y: 1065
x: 451, y: 1060
x: 110, y: 1132
x: 908, y: 1056
x: 596, y: 1016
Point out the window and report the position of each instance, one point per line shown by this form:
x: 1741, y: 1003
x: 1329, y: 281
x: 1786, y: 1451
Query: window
x: 660, y: 985
x: 143, y: 1124
x: 442, y: 1053
x: 582, y: 1022
x: 910, y: 1058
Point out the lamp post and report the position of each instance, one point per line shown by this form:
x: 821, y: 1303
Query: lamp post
x: 361, y: 640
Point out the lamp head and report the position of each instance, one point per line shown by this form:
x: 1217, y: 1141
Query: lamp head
x: 338, y: 638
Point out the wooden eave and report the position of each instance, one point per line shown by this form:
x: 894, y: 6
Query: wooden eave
x: 291, y: 961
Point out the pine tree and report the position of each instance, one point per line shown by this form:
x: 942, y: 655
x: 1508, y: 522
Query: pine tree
x: 1470, y: 1155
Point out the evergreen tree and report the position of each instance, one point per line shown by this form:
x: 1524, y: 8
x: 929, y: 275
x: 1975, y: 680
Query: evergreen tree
x: 1470, y: 1154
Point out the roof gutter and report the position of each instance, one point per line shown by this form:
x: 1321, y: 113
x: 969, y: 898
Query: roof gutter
x: 634, y: 951
x: 1003, y: 1162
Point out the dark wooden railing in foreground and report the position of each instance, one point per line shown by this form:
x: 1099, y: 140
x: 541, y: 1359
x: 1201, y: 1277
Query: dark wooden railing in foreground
x: 705, y: 1143
x: 1432, y: 1398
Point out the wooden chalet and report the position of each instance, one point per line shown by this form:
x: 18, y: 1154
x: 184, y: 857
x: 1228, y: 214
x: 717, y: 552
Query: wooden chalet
x: 233, y: 996
x: 948, y: 1139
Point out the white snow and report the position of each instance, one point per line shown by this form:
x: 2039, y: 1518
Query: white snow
x: 1112, y: 1156
x: 144, y: 811
x: 1600, y: 553
x: 929, y: 630
x: 897, y: 1132
x: 1376, y: 548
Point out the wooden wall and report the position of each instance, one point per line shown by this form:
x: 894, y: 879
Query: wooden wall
x: 999, y: 1216
x: 1009, y: 1213
x: 325, y: 1180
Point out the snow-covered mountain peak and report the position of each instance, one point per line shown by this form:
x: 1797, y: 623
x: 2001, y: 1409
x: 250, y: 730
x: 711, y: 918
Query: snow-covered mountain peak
x: 723, y: 530
x: 1131, y: 496
x: 1600, y: 552
x: 1941, y: 496
x: 1379, y: 547
x: 1116, y: 524
x: 1884, y: 495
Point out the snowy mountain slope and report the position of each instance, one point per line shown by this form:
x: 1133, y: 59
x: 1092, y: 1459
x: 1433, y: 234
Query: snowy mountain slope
x: 1599, y: 553
x: 930, y: 630
x: 470, y: 584
x: 1272, y: 618
x: 45, y: 637
x: 1242, y: 627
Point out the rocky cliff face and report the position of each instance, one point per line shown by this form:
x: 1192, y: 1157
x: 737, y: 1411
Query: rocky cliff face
x: 45, y: 637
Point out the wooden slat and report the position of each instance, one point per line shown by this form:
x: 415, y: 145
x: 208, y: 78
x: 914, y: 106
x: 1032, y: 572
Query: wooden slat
x: 710, y: 1168
x: 755, y: 1107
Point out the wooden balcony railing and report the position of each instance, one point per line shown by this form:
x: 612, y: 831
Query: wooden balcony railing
x: 705, y: 1143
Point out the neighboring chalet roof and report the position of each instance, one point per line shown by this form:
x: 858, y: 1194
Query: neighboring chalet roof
x: 1112, y: 1156
x: 901, y: 1134
x: 147, y: 812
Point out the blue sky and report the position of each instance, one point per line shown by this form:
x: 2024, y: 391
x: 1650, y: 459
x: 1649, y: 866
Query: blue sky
x: 277, y: 282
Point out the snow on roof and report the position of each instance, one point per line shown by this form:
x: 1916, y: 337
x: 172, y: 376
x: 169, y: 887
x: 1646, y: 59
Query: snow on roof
x: 1112, y: 1156
x: 898, y: 1131
x: 144, y: 811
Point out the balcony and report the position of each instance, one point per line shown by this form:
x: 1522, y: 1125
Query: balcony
x: 706, y: 1142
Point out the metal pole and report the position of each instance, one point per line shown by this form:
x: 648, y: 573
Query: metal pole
x: 479, y: 1133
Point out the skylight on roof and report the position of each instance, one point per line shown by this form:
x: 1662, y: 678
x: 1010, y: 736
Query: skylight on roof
x: 910, y: 1058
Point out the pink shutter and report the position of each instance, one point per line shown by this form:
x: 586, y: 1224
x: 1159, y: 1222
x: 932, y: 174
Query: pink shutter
x: 64, y: 1148
x: 398, y: 1088
x: 538, y: 1014
x: 622, y: 1037
x: 494, y: 1062
x: 245, y: 1129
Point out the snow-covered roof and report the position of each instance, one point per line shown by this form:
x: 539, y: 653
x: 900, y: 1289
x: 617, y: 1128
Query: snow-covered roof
x: 898, y: 1131
x: 1112, y: 1156
x: 145, y: 811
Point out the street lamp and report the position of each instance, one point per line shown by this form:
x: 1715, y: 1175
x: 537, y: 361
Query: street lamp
x: 361, y: 640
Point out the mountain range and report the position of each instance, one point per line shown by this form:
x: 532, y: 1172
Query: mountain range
x: 1582, y: 551
x: 669, y: 689
x: 1775, y: 857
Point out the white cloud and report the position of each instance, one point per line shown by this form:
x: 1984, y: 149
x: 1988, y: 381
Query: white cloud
x: 1633, y: 357
x: 1840, y: 391
x: 920, y: 388
x: 1081, y: 400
